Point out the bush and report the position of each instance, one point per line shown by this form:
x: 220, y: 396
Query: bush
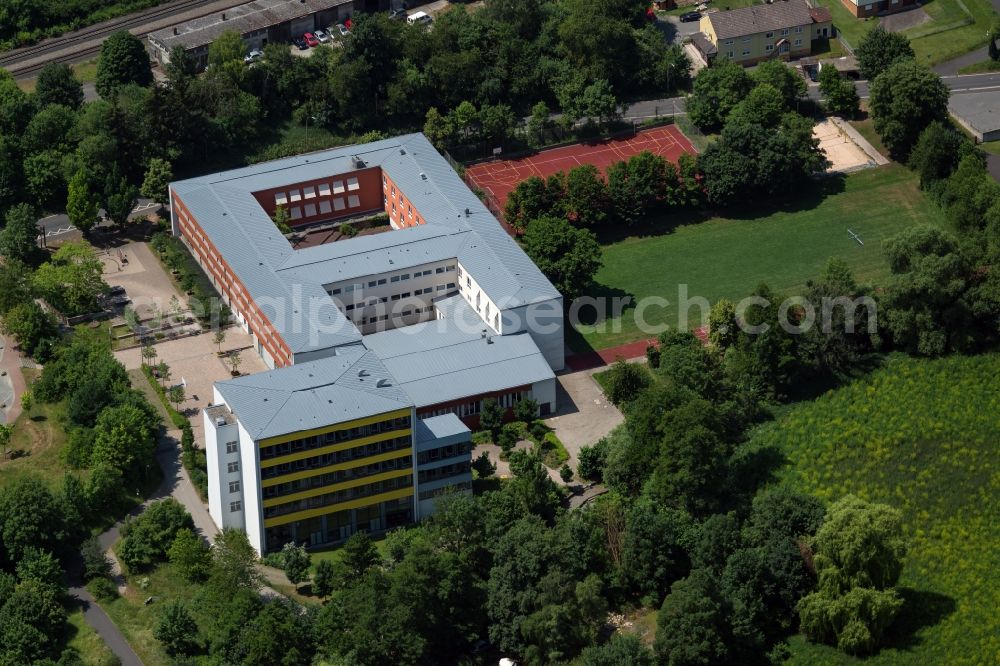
x: 95, y: 562
x: 483, y: 466
x: 592, y: 461
x: 103, y: 589
x: 565, y: 473
x: 553, y: 452
x: 482, y: 437
x: 623, y: 382
x: 508, y: 438
x: 147, y: 537
x: 653, y: 356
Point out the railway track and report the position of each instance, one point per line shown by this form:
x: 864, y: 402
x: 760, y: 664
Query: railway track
x: 29, y: 60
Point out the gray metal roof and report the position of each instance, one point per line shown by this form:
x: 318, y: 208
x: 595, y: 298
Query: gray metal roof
x: 979, y: 110
x: 242, y: 19
x: 457, y: 225
x: 442, y: 360
x: 352, y: 384
x: 439, y: 427
x: 760, y: 18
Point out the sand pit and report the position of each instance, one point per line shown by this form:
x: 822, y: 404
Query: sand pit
x: 843, y: 153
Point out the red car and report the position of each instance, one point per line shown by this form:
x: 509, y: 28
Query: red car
x: 310, y: 39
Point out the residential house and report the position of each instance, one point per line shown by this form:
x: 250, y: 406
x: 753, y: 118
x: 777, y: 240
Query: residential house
x: 785, y: 29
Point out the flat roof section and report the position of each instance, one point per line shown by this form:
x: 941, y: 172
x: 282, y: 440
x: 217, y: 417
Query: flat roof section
x: 353, y: 384
x: 979, y: 111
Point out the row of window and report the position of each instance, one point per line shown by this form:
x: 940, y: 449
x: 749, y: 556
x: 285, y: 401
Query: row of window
x: 409, y: 312
x: 324, y: 207
x: 769, y: 35
x: 444, y: 452
x: 445, y: 472
x: 312, y: 191
x: 340, y: 496
x: 337, y: 436
x: 357, y: 305
x: 331, y: 478
x: 768, y: 48
x: 474, y: 407
x: 458, y: 487
x: 327, y: 459
x: 402, y: 277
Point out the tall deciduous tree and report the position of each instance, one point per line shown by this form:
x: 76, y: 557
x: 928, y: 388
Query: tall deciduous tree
x: 879, y: 49
x: 692, y: 626
x: 81, y: 203
x: 936, y: 153
x: 123, y: 60
x: 157, y: 181
x: 716, y: 91
x: 905, y: 99
x: 569, y: 257
x: 19, y: 237
x: 839, y: 95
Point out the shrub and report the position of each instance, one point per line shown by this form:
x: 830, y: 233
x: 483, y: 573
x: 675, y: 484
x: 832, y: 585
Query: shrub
x: 624, y: 382
x: 147, y: 538
x: 653, y: 356
x: 103, y: 589
x: 592, y: 461
x: 95, y: 562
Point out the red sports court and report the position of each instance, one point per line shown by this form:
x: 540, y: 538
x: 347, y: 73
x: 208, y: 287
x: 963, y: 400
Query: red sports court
x: 501, y: 177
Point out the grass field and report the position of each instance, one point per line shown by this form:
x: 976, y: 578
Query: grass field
x: 956, y: 27
x: 866, y: 128
x: 980, y: 67
x: 35, y: 444
x: 85, y: 640
x: 920, y: 435
x: 727, y: 257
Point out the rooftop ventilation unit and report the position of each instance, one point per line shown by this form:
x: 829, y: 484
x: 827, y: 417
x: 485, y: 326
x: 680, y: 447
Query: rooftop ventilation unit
x: 220, y: 421
x: 357, y: 162
x: 382, y: 383
x: 362, y: 373
x: 423, y: 176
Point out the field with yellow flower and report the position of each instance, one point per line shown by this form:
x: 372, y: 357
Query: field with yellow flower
x: 924, y: 436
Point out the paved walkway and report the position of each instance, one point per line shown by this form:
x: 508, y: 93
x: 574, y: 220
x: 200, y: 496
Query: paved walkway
x: 584, y: 415
x: 12, y: 384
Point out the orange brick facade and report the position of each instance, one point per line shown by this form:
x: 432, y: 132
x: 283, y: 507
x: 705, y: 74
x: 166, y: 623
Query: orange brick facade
x: 400, y: 210
x: 324, y: 199
x: 230, y: 286
x: 862, y: 10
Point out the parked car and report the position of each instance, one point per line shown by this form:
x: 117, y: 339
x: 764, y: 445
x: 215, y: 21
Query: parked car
x: 310, y: 39
x: 342, y: 30
x: 421, y: 18
x: 254, y: 55
x: 690, y: 16
x: 300, y: 43
x: 398, y: 15
x: 322, y: 36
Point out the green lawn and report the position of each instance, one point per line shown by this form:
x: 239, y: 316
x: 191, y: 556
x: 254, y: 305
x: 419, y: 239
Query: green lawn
x: 956, y: 27
x: 35, y: 444
x: 85, y: 640
x: 979, y: 67
x: 922, y: 436
x: 866, y: 128
x: 726, y: 257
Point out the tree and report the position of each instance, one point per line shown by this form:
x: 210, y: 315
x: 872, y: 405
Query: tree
x: 692, y: 625
x: 324, y: 578
x: 782, y: 78
x: 924, y: 305
x: 723, y: 329
x: 879, y: 49
x: 45, y: 177
x: 103, y: 490
x: 539, y: 122
x: 123, y: 439
x: 526, y: 410
x: 30, y: 517
x: 360, y: 555
x: 6, y: 430
x: 653, y: 549
x: 156, y: 184
x: 592, y: 461
x: 31, y: 622
x: 176, y: 395
x: 228, y: 47
x: 586, y: 196
x: 190, y: 554
x: 839, y: 94
x: 620, y: 650
x: 859, y: 554
x: 439, y: 129
x: 57, y: 85
x: 235, y: 361
x: 625, y: 381
x: 764, y: 106
x: 81, y: 203
x: 120, y: 199
x: 15, y: 284
x: 528, y: 201
x: 148, y: 354
x: 491, y: 415
x: 235, y: 561
x: 31, y: 326
x: 123, y: 60
x: 566, y: 473
x: 218, y: 338
x: 936, y: 153
x: 904, y: 100
x: 71, y: 280
x: 280, y: 634
x: 19, y: 237
x: 568, y: 257
x: 295, y: 562
x: 147, y: 538
x: 95, y: 561
x: 281, y: 219
x: 992, y: 49
x: 176, y: 629
x: 715, y: 92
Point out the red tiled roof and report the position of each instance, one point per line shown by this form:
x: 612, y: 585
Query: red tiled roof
x: 820, y: 14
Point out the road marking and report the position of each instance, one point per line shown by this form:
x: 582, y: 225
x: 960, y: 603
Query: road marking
x: 60, y: 231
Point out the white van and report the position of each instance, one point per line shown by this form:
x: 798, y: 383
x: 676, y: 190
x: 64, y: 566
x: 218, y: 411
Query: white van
x: 419, y: 17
